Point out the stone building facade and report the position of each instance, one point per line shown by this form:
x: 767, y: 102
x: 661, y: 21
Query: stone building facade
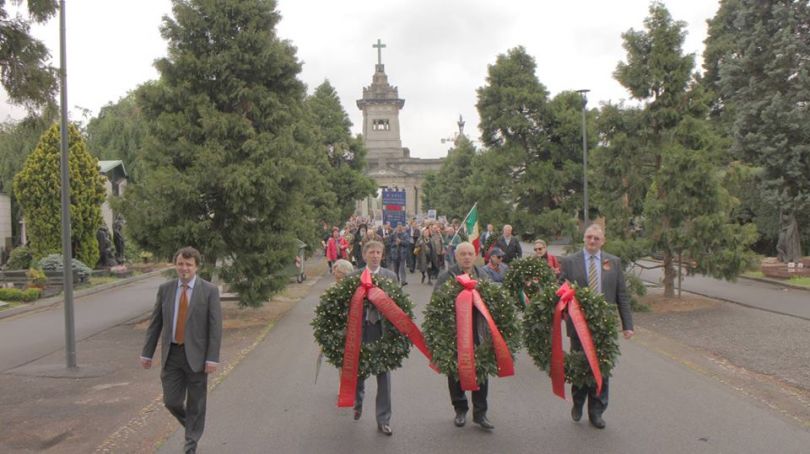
x: 389, y: 163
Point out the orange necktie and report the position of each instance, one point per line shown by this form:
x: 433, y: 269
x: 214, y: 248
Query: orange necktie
x: 182, y: 308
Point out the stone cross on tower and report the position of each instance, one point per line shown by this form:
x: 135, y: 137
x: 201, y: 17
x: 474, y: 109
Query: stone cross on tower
x: 379, y: 46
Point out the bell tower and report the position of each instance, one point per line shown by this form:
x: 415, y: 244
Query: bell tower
x: 381, y: 105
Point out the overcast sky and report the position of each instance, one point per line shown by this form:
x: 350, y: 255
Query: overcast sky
x: 437, y: 51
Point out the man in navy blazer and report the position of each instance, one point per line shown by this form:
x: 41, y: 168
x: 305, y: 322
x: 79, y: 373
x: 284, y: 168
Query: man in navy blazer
x: 187, y: 319
x: 607, y: 279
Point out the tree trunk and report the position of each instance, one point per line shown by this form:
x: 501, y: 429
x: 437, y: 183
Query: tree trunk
x: 669, y: 275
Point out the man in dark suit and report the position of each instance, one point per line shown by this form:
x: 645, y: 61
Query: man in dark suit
x: 509, y: 245
x: 602, y: 272
x: 465, y: 263
x: 372, y: 331
x: 187, y: 320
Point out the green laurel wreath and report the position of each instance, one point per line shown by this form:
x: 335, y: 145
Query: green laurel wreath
x: 602, y: 321
x: 531, y: 275
x: 439, y: 328
x: 331, y: 318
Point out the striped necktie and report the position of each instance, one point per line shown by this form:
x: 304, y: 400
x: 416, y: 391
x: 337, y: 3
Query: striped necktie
x: 593, y: 276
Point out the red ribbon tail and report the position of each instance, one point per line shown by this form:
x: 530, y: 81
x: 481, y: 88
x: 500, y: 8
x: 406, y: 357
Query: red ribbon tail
x: 506, y: 367
x: 557, y: 370
x: 464, y: 341
x: 351, y: 351
x: 585, y: 338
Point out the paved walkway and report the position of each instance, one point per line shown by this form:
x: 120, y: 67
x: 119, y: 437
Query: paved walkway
x: 270, y: 403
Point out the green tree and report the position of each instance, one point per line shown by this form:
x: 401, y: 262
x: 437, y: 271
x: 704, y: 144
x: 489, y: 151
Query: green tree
x: 17, y: 141
x: 38, y: 189
x: 231, y: 164
x: 118, y: 133
x: 758, y: 54
x: 447, y: 191
x: 686, y: 209
x: 24, y: 71
x: 539, y: 138
x: 346, y: 154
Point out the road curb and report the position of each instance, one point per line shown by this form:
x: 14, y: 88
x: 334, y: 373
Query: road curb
x: 54, y: 300
x: 765, y: 280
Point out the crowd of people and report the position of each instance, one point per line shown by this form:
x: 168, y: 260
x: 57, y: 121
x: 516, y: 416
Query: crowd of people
x: 427, y: 247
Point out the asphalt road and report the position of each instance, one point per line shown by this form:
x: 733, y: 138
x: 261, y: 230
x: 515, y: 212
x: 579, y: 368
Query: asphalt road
x: 270, y: 403
x: 30, y: 336
x: 771, y: 297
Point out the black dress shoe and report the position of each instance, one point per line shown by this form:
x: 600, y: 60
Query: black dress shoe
x: 576, y: 412
x: 358, y: 412
x: 385, y: 428
x: 461, y: 418
x: 597, y: 421
x: 483, y: 422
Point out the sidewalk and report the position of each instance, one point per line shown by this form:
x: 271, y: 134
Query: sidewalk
x: 117, y: 406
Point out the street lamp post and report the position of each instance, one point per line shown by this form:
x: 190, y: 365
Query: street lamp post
x: 585, y: 217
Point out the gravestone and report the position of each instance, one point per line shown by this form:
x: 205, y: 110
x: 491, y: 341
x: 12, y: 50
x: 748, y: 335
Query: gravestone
x: 5, y: 226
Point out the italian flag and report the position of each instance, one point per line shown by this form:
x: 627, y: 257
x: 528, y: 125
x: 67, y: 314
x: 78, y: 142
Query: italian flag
x: 472, y: 229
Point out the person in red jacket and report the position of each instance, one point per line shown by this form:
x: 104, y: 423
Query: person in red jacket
x: 333, y: 248
x: 541, y: 250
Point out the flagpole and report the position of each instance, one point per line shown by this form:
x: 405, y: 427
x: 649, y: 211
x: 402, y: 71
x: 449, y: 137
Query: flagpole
x: 464, y: 222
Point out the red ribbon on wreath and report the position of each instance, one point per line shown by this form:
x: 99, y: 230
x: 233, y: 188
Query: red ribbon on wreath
x: 568, y: 302
x: 354, y: 332
x: 465, y: 300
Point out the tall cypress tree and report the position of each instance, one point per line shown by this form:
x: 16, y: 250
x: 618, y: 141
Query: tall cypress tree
x: 759, y: 54
x: 686, y: 210
x: 448, y: 191
x: 231, y: 164
x: 539, y: 138
x: 346, y: 155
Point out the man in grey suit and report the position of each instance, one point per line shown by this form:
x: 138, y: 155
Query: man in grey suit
x: 373, y: 330
x: 188, y: 321
x: 465, y: 264
x: 591, y: 267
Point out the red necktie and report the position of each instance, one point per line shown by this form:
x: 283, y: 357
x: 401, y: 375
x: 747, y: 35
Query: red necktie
x: 182, y: 309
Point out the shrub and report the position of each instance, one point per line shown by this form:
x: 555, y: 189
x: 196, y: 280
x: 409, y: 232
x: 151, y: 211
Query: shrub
x: 20, y: 258
x: 37, y: 188
x: 15, y: 294
x: 54, y: 262
x: 36, y: 277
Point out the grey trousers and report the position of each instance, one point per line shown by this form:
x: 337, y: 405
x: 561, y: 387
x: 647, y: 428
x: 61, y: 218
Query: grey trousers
x: 383, y: 402
x: 185, y: 393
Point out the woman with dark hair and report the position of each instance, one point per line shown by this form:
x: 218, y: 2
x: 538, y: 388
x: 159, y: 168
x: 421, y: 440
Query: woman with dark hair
x: 357, y: 247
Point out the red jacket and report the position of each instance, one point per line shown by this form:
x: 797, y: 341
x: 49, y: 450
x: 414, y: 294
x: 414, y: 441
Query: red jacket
x: 553, y: 263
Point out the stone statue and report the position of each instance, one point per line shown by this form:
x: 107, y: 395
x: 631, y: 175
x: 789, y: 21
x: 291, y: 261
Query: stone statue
x: 118, y: 238
x: 789, y: 248
x: 105, y: 255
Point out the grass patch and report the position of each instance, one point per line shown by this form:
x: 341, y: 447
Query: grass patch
x: 803, y: 281
x: 99, y: 280
x: 9, y: 305
x: 753, y: 274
